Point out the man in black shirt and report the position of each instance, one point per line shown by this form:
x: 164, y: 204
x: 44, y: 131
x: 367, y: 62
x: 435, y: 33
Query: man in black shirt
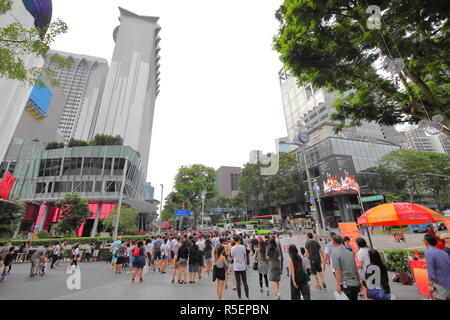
x: 315, y: 254
x: 97, y: 246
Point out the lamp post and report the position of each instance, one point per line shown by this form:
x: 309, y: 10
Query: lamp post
x: 203, y: 197
x: 362, y: 212
x: 308, y: 177
x: 122, y: 188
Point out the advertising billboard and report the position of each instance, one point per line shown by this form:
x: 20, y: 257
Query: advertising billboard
x: 338, y: 175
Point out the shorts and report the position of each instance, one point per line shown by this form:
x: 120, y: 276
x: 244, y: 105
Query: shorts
x: 182, y: 263
x: 120, y: 260
x: 315, y: 267
x: 157, y: 256
x: 96, y: 252
x: 440, y: 292
x: 194, y: 267
x: 172, y: 255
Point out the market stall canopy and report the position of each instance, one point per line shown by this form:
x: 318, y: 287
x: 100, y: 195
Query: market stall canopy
x: 399, y: 214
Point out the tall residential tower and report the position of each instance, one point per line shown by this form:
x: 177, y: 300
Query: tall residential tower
x: 132, y: 85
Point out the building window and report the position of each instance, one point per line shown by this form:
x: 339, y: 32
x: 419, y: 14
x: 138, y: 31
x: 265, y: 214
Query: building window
x: 119, y: 164
x: 3, y: 168
x: 108, y: 166
x: 234, y: 182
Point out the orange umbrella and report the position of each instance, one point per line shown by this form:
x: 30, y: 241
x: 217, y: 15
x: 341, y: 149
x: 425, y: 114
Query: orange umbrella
x: 399, y: 214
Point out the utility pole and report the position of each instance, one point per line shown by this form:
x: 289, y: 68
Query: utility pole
x: 122, y: 188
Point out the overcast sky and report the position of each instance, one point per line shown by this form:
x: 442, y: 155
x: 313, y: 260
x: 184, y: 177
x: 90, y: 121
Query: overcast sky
x: 220, y: 95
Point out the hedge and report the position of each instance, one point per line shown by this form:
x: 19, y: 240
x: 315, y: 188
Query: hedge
x: 397, y: 260
x: 87, y: 240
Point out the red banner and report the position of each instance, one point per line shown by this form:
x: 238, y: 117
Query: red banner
x: 350, y: 229
x: 419, y: 271
x: 6, y: 185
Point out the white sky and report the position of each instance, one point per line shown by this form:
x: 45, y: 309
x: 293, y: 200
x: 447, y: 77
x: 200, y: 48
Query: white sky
x: 220, y: 95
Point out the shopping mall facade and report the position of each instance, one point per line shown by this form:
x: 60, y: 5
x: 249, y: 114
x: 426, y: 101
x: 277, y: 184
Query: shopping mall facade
x: 94, y: 172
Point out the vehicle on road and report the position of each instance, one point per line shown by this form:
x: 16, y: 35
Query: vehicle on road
x: 418, y: 228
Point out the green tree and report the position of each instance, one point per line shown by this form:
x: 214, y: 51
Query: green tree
x: 172, y: 203
x: 54, y: 145
x: 128, y: 220
x: 329, y: 44
x: 258, y: 190
x: 190, y: 182
x: 75, y: 211
x: 402, y: 173
x: 10, y: 214
x: 437, y: 180
x: 106, y: 140
x: 17, y: 41
x: 77, y: 143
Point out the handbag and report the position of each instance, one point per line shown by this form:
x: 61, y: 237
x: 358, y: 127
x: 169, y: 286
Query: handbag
x: 214, y: 273
x: 255, y: 266
x: 376, y: 294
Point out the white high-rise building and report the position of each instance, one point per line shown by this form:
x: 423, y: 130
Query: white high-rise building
x: 128, y: 102
x: 417, y: 139
x: 15, y: 94
x: 311, y: 107
x: 83, y: 84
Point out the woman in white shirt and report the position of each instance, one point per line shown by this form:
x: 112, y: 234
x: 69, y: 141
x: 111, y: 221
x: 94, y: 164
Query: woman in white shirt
x: 165, y: 254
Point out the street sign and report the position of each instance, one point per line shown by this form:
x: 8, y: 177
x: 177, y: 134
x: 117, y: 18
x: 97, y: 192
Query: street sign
x: 372, y: 198
x: 317, y: 187
x: 218, y: 210
x: 303, y: 137
x: 312, y: 201
x: 182, y: 213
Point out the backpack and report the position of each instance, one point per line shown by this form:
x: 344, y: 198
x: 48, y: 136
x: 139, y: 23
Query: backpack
x: 136, y: 252
x: 157, y: 246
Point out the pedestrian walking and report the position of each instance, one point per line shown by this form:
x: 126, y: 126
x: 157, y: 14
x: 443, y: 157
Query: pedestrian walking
x: 315, y: 254
x: 299, y: 276
x: 208, y: 256
x: 139, y: 255
x: 346, y: 273
x: 194, y: 262
x: 446, y: 238
x: 7, y: 262
x: 438, y: 268
x: 263, y: 266
x: 383, y: 292
x: 55, y: 254
x: 182, y: 258
x: 121, y: 255
x: 274, y: 255
x: 239, y: 255
x: 75, y: 254
x: 219, y: 272
x: 363, y: 262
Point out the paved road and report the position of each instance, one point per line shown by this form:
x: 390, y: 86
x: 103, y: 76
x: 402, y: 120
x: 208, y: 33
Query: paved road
x: 99, y: 282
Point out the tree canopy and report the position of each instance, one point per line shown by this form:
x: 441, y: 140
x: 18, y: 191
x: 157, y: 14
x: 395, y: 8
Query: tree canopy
x: 273, y: 190
x: 190, y: 182
x: 17, y: 41
x: 75, y: 211
x: 128, y: 220
x: 334, y: 44
x: 406, y: 175
x: 10, y: 215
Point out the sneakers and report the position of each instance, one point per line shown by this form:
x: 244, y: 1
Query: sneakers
x: 324, y: 285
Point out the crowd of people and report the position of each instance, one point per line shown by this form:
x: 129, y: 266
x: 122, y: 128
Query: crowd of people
x: 225, y: 258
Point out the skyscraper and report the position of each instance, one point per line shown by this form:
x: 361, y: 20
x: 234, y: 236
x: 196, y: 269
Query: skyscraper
x: 417, y: 139
x: 83, y: 84
x: 14, y: 94
x: 132, y: 85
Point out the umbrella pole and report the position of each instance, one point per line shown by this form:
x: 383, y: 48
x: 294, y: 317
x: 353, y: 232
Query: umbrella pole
x: 370, y: 237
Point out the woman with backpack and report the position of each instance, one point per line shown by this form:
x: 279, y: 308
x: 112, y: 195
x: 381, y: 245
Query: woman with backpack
x: 299, y: 276
x: 182, y: 258
x: 208, y: 256
x: 263, y: 266
x: 139, y: 255
x: 194, y: 262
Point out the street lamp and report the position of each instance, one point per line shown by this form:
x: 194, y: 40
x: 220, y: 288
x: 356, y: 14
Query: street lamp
x: 203, y: 197
x: 305, y: 139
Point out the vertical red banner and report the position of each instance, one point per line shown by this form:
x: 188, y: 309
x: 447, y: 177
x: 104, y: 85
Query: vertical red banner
x: 420, y: 274
x: 350, y: 229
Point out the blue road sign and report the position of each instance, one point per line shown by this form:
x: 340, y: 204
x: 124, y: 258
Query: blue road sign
x: 182, y: 213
